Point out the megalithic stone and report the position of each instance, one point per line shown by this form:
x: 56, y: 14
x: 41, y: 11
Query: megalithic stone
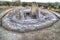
x: 39, y: 13
x: 34, y: 8
x: 22, y: 15
x: 36, y: 11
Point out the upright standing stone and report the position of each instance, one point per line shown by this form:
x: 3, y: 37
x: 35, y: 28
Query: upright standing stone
x: 22, y: 15
x: 39, y: 15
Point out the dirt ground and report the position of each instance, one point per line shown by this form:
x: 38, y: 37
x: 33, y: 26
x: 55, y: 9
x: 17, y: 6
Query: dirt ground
x: 50, y: 33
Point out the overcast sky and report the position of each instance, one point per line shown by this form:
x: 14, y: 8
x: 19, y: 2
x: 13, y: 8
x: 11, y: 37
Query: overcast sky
x: 36, y: 0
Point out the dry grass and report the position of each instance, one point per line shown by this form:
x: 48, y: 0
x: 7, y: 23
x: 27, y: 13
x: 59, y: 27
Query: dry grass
x: 7, y: 6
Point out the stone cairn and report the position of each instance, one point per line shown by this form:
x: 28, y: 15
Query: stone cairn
x: 27, y: 19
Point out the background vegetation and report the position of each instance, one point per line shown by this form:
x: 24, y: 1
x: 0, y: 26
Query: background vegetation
x: 52, y: 6
x: 6, y: 3
x: 55, y: 5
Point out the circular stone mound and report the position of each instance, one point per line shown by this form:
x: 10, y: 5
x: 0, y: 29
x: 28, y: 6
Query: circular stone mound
x: 22, y: 20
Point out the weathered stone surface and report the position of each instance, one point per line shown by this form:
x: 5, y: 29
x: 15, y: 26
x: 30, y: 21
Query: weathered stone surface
x: 3, y: 14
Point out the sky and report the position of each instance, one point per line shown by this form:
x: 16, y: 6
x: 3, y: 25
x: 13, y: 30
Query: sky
x: 5, y: 0
x: 36, y: 0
